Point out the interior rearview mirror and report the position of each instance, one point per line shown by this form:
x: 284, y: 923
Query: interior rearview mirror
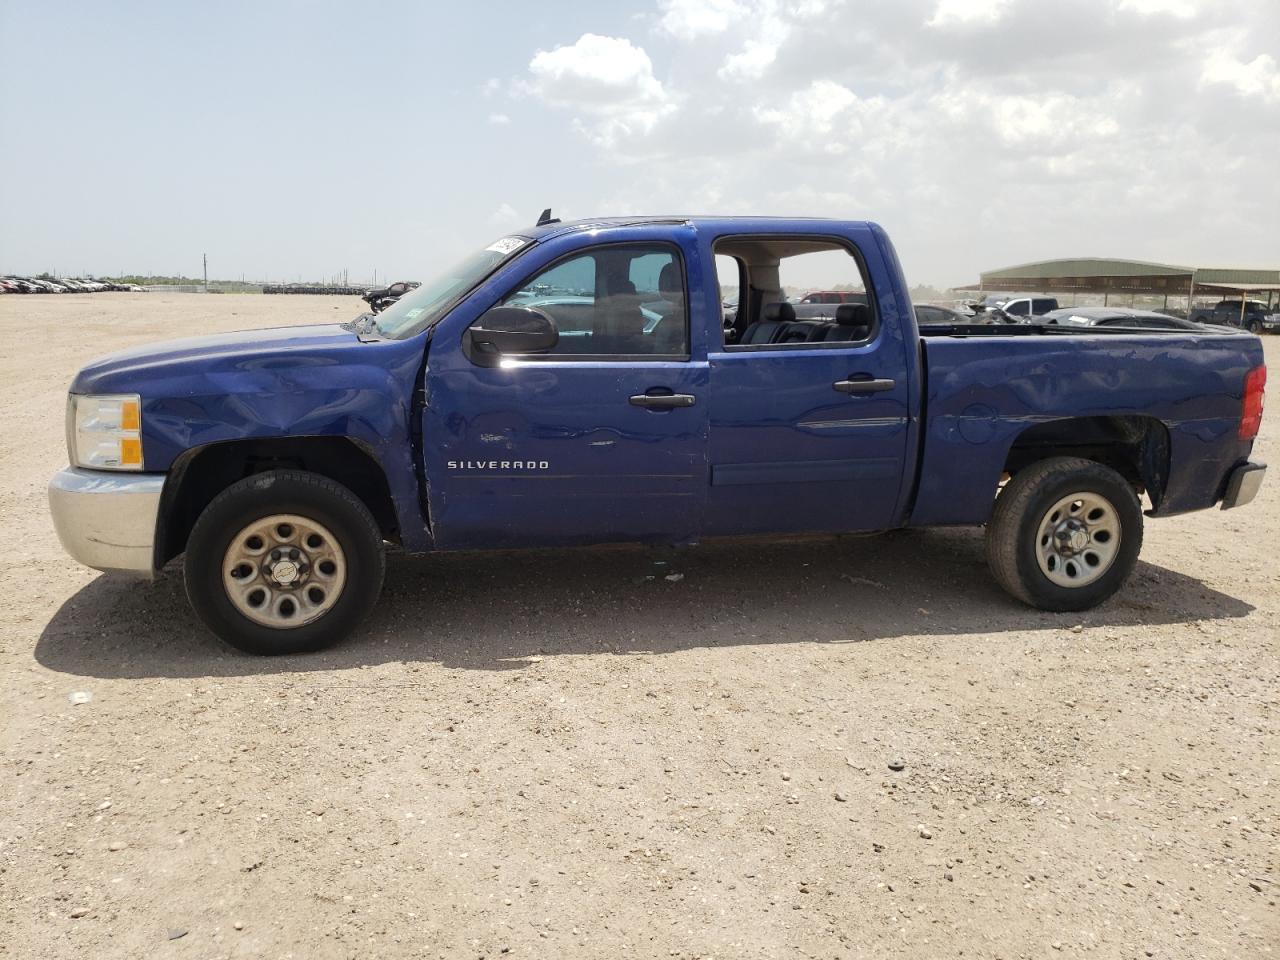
x: 509, y: 331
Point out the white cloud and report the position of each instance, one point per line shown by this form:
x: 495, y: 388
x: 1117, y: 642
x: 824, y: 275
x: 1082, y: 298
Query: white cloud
x: 499, y: 119
x: 967, y: 11
x: 1177, y: 8
x: 596, y: 70
x: 751, y: 61
x: 769, y: 24
x: 1043, y: 123
x: 1259, y: 77
x: 606, y: 81
x: 691, y: 19
x: 811, y: 112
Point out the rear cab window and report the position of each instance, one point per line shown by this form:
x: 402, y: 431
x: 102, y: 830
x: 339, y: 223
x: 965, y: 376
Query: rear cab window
x: 796, y: 292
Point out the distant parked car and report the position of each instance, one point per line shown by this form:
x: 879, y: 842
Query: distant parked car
x: 1117, y: 317
x: 383, y: 297
x: 822, y: 304
x: 1255, y: 316
x: 834, y: 296
x: 928, y: 313
x: 1019, y: 308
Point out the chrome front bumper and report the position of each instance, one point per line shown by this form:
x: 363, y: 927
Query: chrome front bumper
x: 107, y: 520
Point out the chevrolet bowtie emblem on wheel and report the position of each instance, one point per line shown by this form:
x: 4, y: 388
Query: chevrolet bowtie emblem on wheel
x: 499, y: 465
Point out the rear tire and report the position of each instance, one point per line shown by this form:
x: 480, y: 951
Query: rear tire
x: 1255, y: 327
x: 1065, y: 534
x: 284, y: 562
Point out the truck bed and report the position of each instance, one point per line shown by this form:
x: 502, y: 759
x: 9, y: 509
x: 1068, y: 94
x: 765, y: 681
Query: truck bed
x: 985, y: 386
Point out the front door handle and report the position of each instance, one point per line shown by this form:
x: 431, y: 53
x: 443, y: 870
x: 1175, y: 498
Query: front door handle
x: 662, y: 401
x: 862, y: 383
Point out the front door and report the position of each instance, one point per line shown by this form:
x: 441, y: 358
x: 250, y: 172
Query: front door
x: 601, y: 439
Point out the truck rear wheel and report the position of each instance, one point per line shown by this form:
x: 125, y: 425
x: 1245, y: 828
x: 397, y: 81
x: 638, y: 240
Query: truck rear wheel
x: 1065, y: 534
x: 284, y: 562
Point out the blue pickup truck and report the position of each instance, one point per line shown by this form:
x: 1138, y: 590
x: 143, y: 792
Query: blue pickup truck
x: 579, y: 383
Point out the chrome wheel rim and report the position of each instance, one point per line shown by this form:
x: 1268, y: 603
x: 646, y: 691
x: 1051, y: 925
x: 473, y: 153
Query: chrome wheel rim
x: 1078, y: 539
x: 284, y: 571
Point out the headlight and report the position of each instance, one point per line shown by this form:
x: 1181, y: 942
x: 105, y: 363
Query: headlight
x: 104, y: 433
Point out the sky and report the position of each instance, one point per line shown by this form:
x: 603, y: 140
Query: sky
x: 292, y: 140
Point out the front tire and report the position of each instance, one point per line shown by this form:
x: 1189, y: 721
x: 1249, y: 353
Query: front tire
x: 1065, y: 534
x: 284, y: 562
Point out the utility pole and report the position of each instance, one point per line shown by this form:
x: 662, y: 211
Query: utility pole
x: 206, y: 272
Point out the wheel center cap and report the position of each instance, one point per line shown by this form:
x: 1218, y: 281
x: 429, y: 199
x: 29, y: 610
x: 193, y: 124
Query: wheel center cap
x: 284, y: 572
x: 1073, y: 540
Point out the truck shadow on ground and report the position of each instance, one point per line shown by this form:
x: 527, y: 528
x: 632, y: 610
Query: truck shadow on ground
x: 495, y: 611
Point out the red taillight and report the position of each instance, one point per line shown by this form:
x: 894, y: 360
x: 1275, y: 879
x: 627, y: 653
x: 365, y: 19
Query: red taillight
x: 1255, y: 382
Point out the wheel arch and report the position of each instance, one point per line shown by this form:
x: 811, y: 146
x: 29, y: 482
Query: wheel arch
x: 201, y: 473
x: 1135, y: 446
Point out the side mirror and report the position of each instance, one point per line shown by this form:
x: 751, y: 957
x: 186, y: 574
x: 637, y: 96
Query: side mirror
x: 509, y: 331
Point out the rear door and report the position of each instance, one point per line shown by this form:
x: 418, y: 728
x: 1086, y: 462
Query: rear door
x: 812, y: 436
x: 602, y: 439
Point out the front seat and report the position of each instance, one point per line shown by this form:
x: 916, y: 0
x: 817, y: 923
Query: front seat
x: 618, y: 326
x: 774, y: 318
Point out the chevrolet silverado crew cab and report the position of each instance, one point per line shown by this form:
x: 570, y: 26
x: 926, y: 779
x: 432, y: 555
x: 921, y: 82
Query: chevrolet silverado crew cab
x: 576, y: 383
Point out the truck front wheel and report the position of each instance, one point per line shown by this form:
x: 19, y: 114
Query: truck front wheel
x: 1065, y: 534
x: 284, y: 562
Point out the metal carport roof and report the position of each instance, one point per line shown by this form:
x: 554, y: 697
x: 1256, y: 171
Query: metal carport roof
x: 1103, y: 275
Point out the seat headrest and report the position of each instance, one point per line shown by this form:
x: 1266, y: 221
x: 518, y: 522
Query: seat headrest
x: 669, y: 280
x: 853, y: 315
x: 779, y: 311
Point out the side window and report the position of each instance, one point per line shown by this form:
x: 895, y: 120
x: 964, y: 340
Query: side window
x: 837, y: 308
x: 1019, y: 308
x: 625, y: 300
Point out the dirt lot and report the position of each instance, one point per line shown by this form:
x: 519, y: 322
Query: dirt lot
x: 565, y: 754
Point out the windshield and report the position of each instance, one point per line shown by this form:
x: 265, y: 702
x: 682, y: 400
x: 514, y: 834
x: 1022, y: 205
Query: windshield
x: 420, y: 308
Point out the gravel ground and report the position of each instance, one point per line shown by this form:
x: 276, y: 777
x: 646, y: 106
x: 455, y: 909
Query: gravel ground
x: 567, y: 754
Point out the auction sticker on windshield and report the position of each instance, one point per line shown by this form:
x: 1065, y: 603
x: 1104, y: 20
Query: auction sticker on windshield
x: 507, y: 245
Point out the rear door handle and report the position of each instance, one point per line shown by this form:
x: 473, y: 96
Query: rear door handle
x: 862, y: 383
x: 662, y: 401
